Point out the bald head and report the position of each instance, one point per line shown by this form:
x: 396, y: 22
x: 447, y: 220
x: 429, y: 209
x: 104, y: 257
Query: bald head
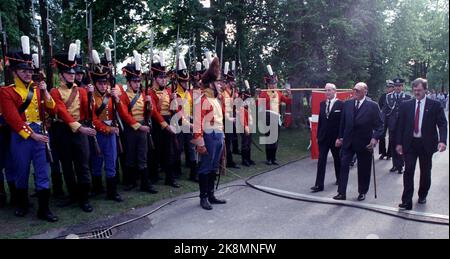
x: 330, y: 91
x: 360, y: 90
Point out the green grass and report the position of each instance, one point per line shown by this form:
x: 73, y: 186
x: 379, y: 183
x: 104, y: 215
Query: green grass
x: 292, y: 146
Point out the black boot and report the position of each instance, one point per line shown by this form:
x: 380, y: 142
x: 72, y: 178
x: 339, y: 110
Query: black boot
x: 84, y: 197
x: 72, y: 197
x: 203, y: 184
x: 111, y: 190
x: 146, y: 185
x: 44, y: 212
x: 132, y: 179
x: 57, y: 185
x: 170, y: 179
x: 97, y: 185
x: 193, y: 174
x: 22, y: 202
x: 2, y: 195
x: 12, y: 193
x: 211, y: 198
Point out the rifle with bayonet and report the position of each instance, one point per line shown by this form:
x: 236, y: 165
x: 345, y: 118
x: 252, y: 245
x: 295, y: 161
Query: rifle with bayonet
x: 48, y: 150
x: 89, y: 79
x: 148, y: 103
x: 116, y: 121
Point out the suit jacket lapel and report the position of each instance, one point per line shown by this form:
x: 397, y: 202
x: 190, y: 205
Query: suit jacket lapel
x: 362, y: 109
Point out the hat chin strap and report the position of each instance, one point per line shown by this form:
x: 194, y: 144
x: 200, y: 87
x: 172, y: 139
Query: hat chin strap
x: 67, y: 83
x: 23, y: 81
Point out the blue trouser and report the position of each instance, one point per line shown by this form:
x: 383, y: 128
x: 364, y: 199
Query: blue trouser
x: 108, y: 146
x: 214, y: 144
x: 23, y: 151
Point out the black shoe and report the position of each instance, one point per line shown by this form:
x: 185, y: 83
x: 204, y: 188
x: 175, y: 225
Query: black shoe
x: 205, y: 204
x: 422, y: 200
x: 173, y: 184
x: 111, y: 190
x: 400, y: 171
x: 268, y: 163
x: 316, y: 189
x: 405, y: 206
x: 86, y: 207
x: 393, y: 169
x: 213, y: 200
x: 352, y: 164
x: 388, y: 157
x: 361, y: 197
x: 382, y: 157
x: 252, y: 162
x: 340, y: 197
x: 44, y: 212
x: 275, y: 162
x: 22, y: 202
x: 47, y: 216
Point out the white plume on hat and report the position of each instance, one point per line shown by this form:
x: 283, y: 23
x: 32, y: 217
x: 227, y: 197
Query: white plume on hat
x: 247, y: 85
x: 206, y: 64
x: 108, y: 54
x: 226, y: 68
x: 181, y: 64
x: 198, y: 66
x: 162, y: 61
x: 137, y: 60
x: 155, y: 59
x: 78, y: 42
x: 72, y: 52
x: 35, y: 58
x: 25, y: 44
x: 95, y: 57
x: 233, y: 66
x: 209, y: 57
x: 269, y: 69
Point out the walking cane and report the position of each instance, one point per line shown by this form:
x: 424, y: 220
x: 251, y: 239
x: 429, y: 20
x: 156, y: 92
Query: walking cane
x: 374, y: 174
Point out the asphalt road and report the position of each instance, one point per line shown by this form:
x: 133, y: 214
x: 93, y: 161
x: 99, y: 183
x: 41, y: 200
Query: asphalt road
x: 251, y: 214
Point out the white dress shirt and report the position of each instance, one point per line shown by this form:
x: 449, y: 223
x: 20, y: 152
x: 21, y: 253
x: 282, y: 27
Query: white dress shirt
x: 330, y: 103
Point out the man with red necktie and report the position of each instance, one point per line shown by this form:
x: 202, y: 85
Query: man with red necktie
x: 417, y: 137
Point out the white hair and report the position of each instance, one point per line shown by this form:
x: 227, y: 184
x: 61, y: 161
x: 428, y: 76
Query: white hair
x: 330, y: 85
x: 363, y: 85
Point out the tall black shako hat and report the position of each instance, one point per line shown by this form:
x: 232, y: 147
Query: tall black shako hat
x: 132, y: 71
x: 20, y: 59
x: 182, y: 72
x: 159, y: 65
x: 229, y: 75
x: 65, y: 62
x: 101, y: 71
x: 271, y: 77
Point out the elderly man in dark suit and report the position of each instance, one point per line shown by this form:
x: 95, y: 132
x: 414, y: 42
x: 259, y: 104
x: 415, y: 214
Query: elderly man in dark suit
x: 417, y: 137
x: 329, y: 121
x: 360, y: 130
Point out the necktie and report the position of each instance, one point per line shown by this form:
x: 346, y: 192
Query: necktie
x: 328, y: 107
x: 416, y: 120
x: 357, y: 105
